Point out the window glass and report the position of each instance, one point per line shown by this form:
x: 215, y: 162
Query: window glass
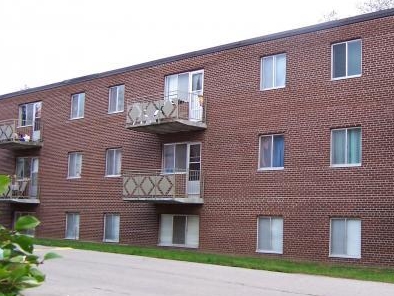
x: 265, y: 152
x: 339, y: 60
x: 74, y: 165
x: 111, y: 227
x: 179, y: 230
x: 113, y: 162
x: 346, y: 146
x: 345, y: 239
x: 280, y: 74
x: 270, y: 235
x: 278, y: 151
x: 338, y: 146
x: 354, y: 58
x: 268, y: 70
x: 72, y: 226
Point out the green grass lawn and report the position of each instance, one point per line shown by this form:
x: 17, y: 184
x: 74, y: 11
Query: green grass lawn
x: 340, y: 271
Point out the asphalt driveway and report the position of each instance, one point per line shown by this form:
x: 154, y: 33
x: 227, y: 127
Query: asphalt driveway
x: 101, y: 274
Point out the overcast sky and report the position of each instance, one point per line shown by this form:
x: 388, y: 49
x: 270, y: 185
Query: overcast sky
x: 46, y: 41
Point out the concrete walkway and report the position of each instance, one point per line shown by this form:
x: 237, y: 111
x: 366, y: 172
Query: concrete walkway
x: 101, y: 274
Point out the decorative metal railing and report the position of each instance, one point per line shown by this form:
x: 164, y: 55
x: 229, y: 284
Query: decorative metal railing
x: 24, y: 188
x: 10, y: 131
x: 162, y: 184
x: 176, y: 105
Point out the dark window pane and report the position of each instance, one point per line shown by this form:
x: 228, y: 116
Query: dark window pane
x: 179, y: 230
x: 278, y: 152
x: 339, y: 60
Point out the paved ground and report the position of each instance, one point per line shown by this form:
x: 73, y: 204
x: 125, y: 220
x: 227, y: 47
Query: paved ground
x: 101, y: 274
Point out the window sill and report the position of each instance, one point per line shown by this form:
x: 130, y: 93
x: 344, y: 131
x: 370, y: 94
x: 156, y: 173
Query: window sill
x: 112, y: 176
x: 115, y: 112
x: 72, y: 178
x: 110, y: 241
x: 268, y: 252
x: 344, y: 256
x: 72, y: 238
x: 270, y: 169
x: 345, y: 77
x: 272, y: 88
x: 178, y: 246
x: 29, y: 125
x: 76, y: 118
x: 346, y: 165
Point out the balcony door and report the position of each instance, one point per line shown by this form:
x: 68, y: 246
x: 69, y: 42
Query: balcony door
x: 186, y: 87
x: 184, y: 158
x: 37, y: 121
x: 27, y: 171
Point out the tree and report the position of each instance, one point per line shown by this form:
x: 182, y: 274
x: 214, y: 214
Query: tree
x: 375, y: 5
x: 331, y: 16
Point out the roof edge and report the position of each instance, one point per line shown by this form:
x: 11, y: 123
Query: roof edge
x: 210, y: 50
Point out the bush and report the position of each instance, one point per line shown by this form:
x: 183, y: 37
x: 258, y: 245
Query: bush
x: 18, y: 264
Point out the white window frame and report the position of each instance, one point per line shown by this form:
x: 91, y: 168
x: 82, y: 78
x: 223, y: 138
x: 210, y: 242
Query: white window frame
x: 270, y: 168
x: 78, y: 97
x: 79, y: 223
x: 79, y: 158
x: 118, y: 87
x: 346, y: 164
x: 274, y: 57
x: 106, y: 215
x: 346, y: 63
x: 345, y: 255
x: 271, y: 251
x: 114, y: 159
x: 186, y: 232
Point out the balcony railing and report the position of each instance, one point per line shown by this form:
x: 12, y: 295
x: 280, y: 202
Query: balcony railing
x: 163, y: 187
x: 15, y: 137
x: 24, y: 190
x: 162, y: 114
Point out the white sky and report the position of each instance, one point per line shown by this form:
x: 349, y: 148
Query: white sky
x: 46, y: 41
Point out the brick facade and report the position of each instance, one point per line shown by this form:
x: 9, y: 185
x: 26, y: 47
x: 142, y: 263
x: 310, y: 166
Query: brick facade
x: 306, y: 193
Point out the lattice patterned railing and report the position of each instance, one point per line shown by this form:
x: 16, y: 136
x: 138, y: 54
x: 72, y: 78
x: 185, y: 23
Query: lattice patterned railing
x: 154, y: 183
x: 10, y: 131
x: 189, y: 106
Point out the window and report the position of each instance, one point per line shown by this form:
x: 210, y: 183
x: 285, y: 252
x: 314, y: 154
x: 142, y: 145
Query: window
x: 74, y: 165
x: 179, y: 230
x: 77, y: 105
x: 116, y: 99
x: 26, y: 114
x: 346, y: 147
x: 174, y: 158
x: 113, y: 162
x: 111, y: 227
x: 270, y: 235
x: 273, y: 71
x: 345, y: 238
x: 72, y: 225
x: 179, y: 86
x: 17, y: 215
x: 271, y: 152
x: 346, y: 59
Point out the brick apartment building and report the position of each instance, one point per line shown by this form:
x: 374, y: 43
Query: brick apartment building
x: 277, y: 146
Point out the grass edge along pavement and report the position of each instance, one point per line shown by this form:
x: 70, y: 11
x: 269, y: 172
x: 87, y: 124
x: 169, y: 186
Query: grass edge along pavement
x: 258, y: 263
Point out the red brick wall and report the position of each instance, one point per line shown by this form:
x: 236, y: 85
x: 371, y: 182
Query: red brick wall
x: 306, y: 193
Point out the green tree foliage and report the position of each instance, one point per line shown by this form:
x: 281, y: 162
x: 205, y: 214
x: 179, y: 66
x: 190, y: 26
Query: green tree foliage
x: 4, y: 183
x: 18, y: 264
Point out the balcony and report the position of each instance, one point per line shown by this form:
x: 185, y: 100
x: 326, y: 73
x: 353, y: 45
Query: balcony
x: 172, y: 113
x: 24, y: 191
x: 154, y: 186
x: 14, y: 137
